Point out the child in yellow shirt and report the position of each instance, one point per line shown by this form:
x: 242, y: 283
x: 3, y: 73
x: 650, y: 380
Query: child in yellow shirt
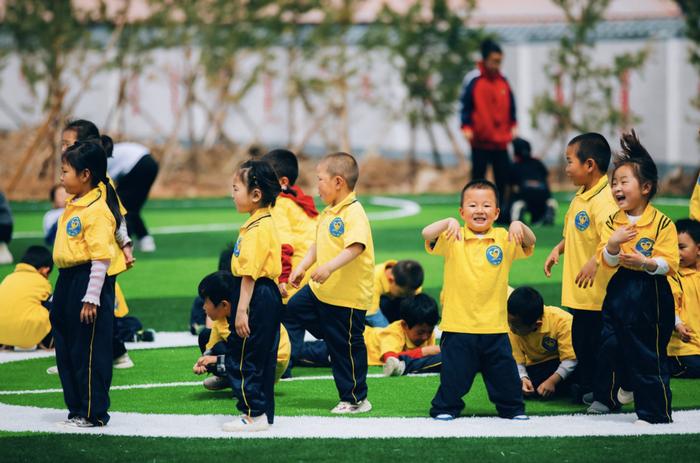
x: 641, y: 244
x: 24, y: 301
x: 478, y: 258
x: 403, y: 347
x: 393, y: 282
x: 541, y: 339
x: 684, y: 347
x: 333, y: 304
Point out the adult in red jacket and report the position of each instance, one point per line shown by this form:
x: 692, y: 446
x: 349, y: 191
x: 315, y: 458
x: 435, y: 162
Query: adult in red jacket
x: 488, y: 118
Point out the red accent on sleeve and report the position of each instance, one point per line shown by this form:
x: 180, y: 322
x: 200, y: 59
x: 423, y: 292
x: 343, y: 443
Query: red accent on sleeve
x: 287, y: 253
x: 413, y: 353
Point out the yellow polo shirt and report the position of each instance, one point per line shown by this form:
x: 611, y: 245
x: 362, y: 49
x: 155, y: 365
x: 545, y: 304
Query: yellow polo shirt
x: 392, y: 338
x: 220, y: 331
x: 475, y: 285
x: 85, y: 231
x: 24, y: 322
x: 583, y: 225
x: 695, y: 201
x: 120, y: 306
x: 258, y: 252
x: 689, y: 311
x: 656, y: 237
x: 551, y: 341
x: 340, y: 226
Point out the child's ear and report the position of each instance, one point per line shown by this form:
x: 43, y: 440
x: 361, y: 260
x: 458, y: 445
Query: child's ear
x: 646, y: 188
x: 225, y: 306
x: 284, y: 182
x: 85, y: 175
x: 590, y: 165
x: 538, y: 323
x: 256, y: 195
x: 404, y: 325
x: 45, y: 271
x: 498, y: 212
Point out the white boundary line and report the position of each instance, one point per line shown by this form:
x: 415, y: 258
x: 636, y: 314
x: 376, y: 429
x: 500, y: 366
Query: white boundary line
x: 404, y: 208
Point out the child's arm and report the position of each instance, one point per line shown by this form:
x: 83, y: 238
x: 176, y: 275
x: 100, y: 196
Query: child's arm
x: 241, y: 323
x: 553, y: 258
x: 449, y: 225
x: 98, y: 273
x: 549, y: 386
x: 418, y: 352
x: 300, y: 270
x: 324, y: 271
x: 521, y: 234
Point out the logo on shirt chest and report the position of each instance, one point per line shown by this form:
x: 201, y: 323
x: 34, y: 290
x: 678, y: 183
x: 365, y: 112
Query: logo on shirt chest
x: 582, y: 221
x: 494, y: 254
x: 73, y: 227
x: 645, y: 246
x: 337, y: 227
x: 237, y: 247
x: 549, y: 344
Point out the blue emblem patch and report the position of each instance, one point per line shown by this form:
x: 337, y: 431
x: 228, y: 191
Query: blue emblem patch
x: 73, y: 227
x: 337, y: 227
x: 237, y: 247
x: 494, y: 254
x: 645, y: 246
x: 582, y: 221
x: 549, y: 344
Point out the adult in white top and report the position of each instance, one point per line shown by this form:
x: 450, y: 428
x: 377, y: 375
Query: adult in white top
x: 134, y: 170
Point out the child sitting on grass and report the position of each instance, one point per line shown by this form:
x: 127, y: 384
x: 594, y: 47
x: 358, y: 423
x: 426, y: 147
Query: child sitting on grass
x: 405, y: 346
x: 541, y: 340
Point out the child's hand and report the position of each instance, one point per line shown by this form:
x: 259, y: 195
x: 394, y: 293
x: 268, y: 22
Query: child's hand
x: 321, y: 274
x: 296, y: 276
x: 128, y: 251
x: 201, y: 366
x: 516, y: 232
x: 585, y: 277
x: 453, y: 229
x: 241, y: 324
x: 634, y: 260
x: 430, y: 350
x: 88, y: 313
x: 622, y: 235
x: 528, y: 388
x: 551, y: 261
x: 283, y: 290
x: 547, y: 388
x: 684, y: 332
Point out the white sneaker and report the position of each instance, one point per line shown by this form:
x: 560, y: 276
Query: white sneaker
x: 393, y: 367
x: 24, y: 349
x: 642, y: 423
x: 245, y: 423
x: 77, y: 422
x: 344, y: 408
x: 52, y: 370
x: 520, y: 418
x: 5, y: 254
x: 625, y: 397
x: 123, y: 361
x: 147, y: 244
x: 216, y: 383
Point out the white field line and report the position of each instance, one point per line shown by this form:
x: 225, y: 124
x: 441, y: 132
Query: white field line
x: 404, y: 208
x: 15, y: 418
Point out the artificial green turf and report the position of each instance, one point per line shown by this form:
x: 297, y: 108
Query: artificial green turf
x: 51, y: 448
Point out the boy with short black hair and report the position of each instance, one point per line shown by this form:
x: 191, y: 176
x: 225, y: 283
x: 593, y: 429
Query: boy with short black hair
x: 584, y: 282
x: 333, y: 304
x: 541, y: 339
x: 24, y: 301
x: 393, y: 282
x: 478, y: 258
x: 684, y: 347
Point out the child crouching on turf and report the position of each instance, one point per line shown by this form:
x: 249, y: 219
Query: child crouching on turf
x: 394, y: 281
x: 541, y: 339
x: 251, y: 356
x: 684, y: 347
x: 638, y: 310
x: 474, y: 322
x: 405, y: 346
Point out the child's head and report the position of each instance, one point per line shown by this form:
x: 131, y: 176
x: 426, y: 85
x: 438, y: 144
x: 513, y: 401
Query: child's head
x: 587, y: 157
x: 285, y: 165
x: 255, y: 185
x: 479, y: 205
x: 525, y: 310
x: 40, y: 258
x: 337, y: 175
x: 58, y: 196
x: 218, y: 291
x: 83, y: 167
x: 491, y: 56
x: 635, y: 178
x: 83, y: 130
x: 521, y: 148
x: 419, y: 315
x: 688, y: 242
x: 225, y: 258
x: 405, y: 277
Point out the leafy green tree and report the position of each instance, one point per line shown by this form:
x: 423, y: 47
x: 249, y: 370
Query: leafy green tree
x: 691, y: 11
